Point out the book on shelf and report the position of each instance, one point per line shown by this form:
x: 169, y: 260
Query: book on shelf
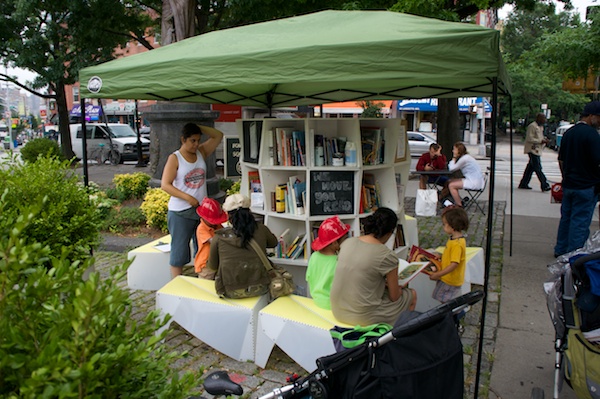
x: 371, y: 145
x: 418, y: 254
x: 293, y: 245
x: 409, y: 270
x: 299, y: 145
x: 400, y: 190
x: 300, y: 249
x: 282, y: 244
x: 280, y: 194
x: 399, y: 240
x: 254, y: 181
x: 371, y: 193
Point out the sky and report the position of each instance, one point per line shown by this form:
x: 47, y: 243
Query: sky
x: 579, y: 5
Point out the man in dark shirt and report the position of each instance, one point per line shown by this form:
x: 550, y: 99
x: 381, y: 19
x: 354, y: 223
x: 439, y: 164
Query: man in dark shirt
x: 432, y: 160
x: 579, y: 161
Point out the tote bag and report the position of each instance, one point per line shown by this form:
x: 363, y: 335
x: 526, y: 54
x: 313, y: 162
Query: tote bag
x: 426, y: 202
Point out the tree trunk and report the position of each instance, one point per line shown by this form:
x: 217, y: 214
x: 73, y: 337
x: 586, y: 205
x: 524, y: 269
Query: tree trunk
x: 63, y: 121
x: 448, y: 131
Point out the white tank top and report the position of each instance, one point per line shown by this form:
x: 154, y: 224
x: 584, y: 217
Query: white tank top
x: 191, y: 179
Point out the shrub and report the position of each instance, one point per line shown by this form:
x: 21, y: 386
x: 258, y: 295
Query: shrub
x: 69, y: 215
x: 63, y: 337
x: 155, y: 207
x: 132, y: 185
x: 43, y: 147
x: 235, y: 188
x: 225, y: 184
x: 120, y: 218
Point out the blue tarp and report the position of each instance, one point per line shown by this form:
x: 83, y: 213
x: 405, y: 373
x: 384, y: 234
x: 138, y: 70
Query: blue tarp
x: 430, y: 104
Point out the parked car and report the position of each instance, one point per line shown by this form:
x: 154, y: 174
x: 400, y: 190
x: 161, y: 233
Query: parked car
x: 123, y: 138
x: 418, y: 143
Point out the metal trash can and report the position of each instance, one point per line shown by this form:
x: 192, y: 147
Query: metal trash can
x: 488, y: 150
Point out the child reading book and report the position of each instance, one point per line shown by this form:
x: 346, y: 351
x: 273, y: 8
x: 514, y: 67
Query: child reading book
x: 322, y: 262
x: 211, y: 218
x: 451, y: 275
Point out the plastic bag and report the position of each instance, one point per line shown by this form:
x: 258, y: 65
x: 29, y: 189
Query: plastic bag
x: 426, y: 202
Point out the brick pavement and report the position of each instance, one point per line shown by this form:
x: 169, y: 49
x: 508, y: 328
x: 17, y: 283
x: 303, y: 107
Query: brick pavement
x: 257, y: 381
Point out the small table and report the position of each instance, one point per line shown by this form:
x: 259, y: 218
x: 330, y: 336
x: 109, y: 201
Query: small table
x: 437, y: 173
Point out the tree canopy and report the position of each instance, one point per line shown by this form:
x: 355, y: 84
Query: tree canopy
x: 56, y: 39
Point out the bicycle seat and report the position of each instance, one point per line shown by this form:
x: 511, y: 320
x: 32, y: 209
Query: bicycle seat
x: 219, y: 383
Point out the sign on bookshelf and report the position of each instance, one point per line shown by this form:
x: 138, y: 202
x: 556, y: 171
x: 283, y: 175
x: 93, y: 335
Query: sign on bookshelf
x: 331, y: 192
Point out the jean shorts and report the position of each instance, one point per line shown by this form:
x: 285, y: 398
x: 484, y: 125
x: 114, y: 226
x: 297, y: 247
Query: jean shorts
x: 182, y: 227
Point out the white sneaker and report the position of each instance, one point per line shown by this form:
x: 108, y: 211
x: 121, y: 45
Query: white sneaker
x: 447, y: 203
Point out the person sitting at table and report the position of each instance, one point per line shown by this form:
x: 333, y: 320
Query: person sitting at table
x: 432, y: 160
x: 468, y: 166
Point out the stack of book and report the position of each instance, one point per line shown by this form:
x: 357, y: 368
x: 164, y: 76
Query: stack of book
x: 287, y: 147
x: 293, y: 249
x: 373, y: 145
x: 290, y: 196
x: 370, y: 194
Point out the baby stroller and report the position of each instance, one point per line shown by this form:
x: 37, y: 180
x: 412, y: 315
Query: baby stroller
x: 573, y: 298
x: 420, y: 358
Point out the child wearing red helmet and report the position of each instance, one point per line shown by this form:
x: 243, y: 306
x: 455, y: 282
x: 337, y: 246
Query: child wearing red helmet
x: 211, y: 218
x: 322, y: 262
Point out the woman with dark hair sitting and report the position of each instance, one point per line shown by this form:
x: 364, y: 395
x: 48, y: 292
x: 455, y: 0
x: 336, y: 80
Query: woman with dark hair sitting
x: 240, y: 273
x: 365, y: 286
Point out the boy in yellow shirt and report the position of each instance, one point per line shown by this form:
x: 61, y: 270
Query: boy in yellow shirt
x: 451, y: 275
x: 211, y: 219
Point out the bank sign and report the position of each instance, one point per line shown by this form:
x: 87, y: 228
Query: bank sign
x: 431, y: 104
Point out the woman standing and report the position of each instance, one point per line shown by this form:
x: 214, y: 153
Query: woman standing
x: 184, y: 178
x: 365, y: 286
x: 473, y: 177
x: 239, y: 271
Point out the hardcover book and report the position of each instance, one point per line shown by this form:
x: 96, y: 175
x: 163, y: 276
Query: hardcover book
x: 418, y: 254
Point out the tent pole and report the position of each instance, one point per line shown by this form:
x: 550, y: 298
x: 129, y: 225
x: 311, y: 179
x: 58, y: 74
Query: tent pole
x: 86, y: 176
x: 489, y: 234
x: 510, y: 118
x: 140, y: 162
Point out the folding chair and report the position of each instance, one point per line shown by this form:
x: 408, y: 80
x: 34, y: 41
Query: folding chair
x: 475, y: 194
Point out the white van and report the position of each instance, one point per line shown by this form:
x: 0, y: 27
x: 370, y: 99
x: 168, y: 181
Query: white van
x: 123, y: 138
x: 559, y: 133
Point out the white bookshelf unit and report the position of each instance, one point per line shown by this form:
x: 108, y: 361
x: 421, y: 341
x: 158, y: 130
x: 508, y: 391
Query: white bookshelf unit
x: 330, y: 190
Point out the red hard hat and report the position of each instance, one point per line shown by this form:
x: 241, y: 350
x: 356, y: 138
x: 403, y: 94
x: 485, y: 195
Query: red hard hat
x: 210, y: 210
x: 331, y: 229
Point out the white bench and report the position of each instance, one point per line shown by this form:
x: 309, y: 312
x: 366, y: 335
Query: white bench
x: 227, y: 325
x: 150, y: 267
x: 297, y: 326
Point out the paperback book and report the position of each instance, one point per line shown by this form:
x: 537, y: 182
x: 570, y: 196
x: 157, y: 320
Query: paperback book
x: 409, y: 270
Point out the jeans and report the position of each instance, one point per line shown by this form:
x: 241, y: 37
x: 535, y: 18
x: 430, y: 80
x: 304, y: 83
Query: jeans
x: 534, y: 165
x: 576, y: 213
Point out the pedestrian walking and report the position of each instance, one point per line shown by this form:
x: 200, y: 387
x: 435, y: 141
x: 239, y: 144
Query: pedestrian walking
x: 534, y: 144
x: 579, y: 161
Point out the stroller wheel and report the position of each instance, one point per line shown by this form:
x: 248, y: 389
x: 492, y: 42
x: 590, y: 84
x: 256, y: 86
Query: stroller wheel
x: 537, y: 393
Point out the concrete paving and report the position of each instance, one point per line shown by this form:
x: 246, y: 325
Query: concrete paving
x: 518, y: 340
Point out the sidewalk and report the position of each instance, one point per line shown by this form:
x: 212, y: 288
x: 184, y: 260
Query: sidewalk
x: 518, y: 346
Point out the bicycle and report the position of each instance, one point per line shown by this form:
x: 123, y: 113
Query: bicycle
x: 102, y: 153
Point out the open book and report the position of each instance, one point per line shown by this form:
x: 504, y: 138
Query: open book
x: 408, y: 271
x: 418, y: 254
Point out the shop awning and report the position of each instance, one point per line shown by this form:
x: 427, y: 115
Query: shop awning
x: 430, y: 104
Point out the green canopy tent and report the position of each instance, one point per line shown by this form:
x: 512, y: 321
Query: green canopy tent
x: 328, y: 56
x: 317, y: 58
